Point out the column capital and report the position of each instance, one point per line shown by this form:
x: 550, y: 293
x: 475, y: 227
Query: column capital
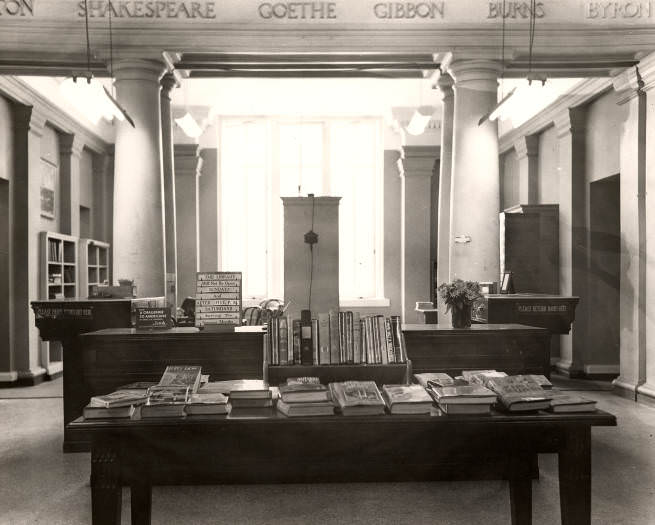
x: 70, y: 144
x: 168, y: 82
x: 187, y: 159
x: 418, y: 160
x: 627, y: 84
x: 138, y: 69
x: 480, y: 75
x: 445, y: 85
x: 527, y: 146
x: 646, y: 70
x: 29, y: 118
x: 570, y: 121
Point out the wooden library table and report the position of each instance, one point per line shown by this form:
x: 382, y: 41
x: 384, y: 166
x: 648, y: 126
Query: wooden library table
x: 276, y: 449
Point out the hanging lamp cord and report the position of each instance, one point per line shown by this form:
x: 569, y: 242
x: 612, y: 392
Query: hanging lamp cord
x: 533, y: 19
x: 111, y: 51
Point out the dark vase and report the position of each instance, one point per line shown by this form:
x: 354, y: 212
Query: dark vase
x: 461, y: 317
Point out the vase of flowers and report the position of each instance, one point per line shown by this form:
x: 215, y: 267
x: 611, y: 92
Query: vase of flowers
x: 459, y: 296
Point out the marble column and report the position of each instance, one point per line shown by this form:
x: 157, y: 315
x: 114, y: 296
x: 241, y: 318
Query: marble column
x: 70, y: 153
x: 168, y: 82
x: 417, y: 166
x: 29, y: 124
x: 570, y: 125
x: 445, y: 84
x: 209, y: 211
x: 187, y: 172
x: 647, y: 72
x: 527, y: 153
x: 632, y: 155
x: 138, y: 189
x: 475, y: 186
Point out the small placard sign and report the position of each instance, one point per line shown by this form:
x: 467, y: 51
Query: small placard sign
x: 218, y: 299
x: 153, y: 318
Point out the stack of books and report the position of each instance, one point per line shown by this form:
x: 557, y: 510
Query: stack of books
x: 336, y: 338
x: 519, y: 393
x: 305, y: 396
x: 250, y: 398
x: 119, y: 404
x: 407, y: 399
x: 463, y: 399
x: 438, y: 379
x: 169, y: 397
x: 206, y: 404
x: 357, y: 398
x: 564, y: 402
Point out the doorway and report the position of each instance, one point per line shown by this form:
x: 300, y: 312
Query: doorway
x: 604, y: 276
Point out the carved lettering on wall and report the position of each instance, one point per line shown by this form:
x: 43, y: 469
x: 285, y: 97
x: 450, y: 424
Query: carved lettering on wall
x: 409, y: 10
x: 16, y: 7
x: 298, y: 10
x: 148, y: 9
x: 515, y: 10
x: 614, y: 10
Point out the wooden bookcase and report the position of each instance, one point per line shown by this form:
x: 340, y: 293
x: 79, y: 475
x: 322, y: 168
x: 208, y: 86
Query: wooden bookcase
x: 59, y: 270
x: 399, y: 373
x: 94, y: 265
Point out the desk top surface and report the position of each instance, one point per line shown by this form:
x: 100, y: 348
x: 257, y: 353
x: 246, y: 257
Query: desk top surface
x: 273, y: 417
x: 475, y: 328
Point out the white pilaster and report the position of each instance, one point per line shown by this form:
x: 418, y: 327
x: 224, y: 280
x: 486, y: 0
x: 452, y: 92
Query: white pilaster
x: 527, y: 153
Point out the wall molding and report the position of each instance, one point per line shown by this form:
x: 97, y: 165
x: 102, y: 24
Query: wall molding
x: 19, y: 91
x: 581, y: 94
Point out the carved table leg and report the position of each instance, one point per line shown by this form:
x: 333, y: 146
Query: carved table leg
x: 141, y: 502
x: 105, y: 485
x: 520, y: 489
x: 575, y: 477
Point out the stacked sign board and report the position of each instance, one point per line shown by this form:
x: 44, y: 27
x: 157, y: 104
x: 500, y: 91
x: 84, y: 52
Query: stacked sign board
x: 218, y: 299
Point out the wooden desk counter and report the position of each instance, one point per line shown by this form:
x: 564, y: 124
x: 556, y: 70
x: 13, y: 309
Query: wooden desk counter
x: 512, y: 348
x: 276, y: 449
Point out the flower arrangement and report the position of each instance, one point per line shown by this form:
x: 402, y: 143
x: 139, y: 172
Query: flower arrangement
x: 459, y: 293
x: 459, y: 297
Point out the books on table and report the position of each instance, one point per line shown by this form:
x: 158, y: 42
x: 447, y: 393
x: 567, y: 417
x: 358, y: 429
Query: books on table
x: 407, y: 399
x: 233, y: 385
x: 480, y: 377
x: 439, y: 379
x: 120, y: 398
x: 315, y: 408
x: 465, y: 409
x: 305, y: 396
x: 206, y: 404
x: 519, y: 393
x: 93, y: 412
x: 181, y: 376
x: 166, y: 402
x: 565, y: 402
x: 357, y: 398
x: 304, y: 393
x: 462, y: 395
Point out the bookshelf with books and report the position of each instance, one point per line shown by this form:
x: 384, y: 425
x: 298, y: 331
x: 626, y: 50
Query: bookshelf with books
x: 59, y: 271
x: 94, y: 265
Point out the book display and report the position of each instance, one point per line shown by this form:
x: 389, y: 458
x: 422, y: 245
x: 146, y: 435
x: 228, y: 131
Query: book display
x: 519, y: 393
x: 304, y: 396
x: 205, y: 404
x: 59, y: 266
x: 95, y: 269
x: 337, y: 338
x: 357, y: 398
x: 407, y: 399
x: 218, y: 299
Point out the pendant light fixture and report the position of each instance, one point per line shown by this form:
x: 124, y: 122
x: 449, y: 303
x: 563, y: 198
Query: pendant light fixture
x: 87, y: 92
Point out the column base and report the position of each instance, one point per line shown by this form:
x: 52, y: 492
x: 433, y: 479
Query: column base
x: 568, y: 369
x: 31, y: 377
x: 646, y: 394
x: 8, y: 379
x: 624, y: 388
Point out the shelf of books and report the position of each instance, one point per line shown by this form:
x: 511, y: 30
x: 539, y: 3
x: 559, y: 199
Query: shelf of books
x: 94, y: 265
x: 58, y: 266
x: 336, y: 346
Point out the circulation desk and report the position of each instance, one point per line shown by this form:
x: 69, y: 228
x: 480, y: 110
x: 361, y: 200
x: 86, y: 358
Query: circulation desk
x: 114, y: 357
x: 275, y: 449
x: 512, y: 348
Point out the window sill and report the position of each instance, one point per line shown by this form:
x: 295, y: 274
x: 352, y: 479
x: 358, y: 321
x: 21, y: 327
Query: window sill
x: 381, y: 302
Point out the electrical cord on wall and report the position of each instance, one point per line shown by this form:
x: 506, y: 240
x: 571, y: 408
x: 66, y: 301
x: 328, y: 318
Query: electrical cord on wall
x: 311, y: 238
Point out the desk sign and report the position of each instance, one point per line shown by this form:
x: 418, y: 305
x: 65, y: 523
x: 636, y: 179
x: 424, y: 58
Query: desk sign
x: 218, y: 300
x: 153, y: 318
x: 541, y: 308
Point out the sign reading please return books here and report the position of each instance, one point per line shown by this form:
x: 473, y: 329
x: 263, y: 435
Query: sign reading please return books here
x: 218, y: 299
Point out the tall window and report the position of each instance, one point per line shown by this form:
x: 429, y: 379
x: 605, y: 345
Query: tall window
x: 265, y: 158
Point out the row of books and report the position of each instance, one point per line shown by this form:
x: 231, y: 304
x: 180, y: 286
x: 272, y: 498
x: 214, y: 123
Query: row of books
x: 335, y: 337
x: 477, y: 390
x: 54, y: 250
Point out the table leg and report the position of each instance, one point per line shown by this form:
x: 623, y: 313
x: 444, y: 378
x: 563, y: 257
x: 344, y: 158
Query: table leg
x: 575, y: 477
x: 520, y: 489
x: 105, y: 486
x: 141, y: 503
